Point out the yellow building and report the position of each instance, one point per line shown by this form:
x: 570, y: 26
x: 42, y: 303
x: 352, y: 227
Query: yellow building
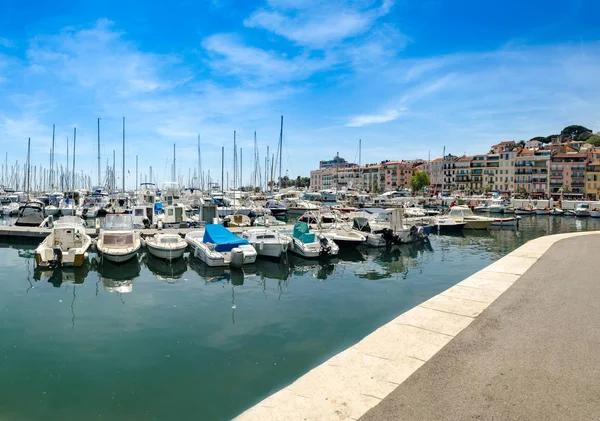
x: 592, y: 180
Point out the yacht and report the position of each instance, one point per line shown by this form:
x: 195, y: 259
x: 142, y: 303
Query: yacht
x: 277, y: 208
x: 267, y: 242
x: 217, y: 246
x: 472, y: 221
x: 53, y: 208
x: 118, y: 241
x: 346, y: 238
x: 66, y: 245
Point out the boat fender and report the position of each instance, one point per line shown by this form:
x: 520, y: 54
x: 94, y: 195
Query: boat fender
x: 77, y: 236
x: 58, y: 255
x: 284, y: 248
x: 261, y: 246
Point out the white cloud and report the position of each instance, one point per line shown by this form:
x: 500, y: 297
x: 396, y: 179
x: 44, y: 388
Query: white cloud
x: 231, y: 57
x: 366, y: 119
x: 316, y: 24
x: 6, y: 43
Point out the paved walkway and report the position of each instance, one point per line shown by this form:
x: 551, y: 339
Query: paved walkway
x: 534, y: 354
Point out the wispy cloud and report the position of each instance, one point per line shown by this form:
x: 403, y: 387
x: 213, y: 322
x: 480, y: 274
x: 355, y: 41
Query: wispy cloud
x: 6, y: 43
x: 366, y: 119
x: 230, y: 56
x: 317, y: 24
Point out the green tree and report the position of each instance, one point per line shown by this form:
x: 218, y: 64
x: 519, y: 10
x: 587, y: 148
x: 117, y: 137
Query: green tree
x: 419, y: 181
x: 574, y: 131
x: 539, y: 138
x: 594, y: 140
x: 584, y: 136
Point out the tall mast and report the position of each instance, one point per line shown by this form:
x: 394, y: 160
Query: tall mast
x: 443, y: 170
x: 223, y: 171
x: 359, y: 165
x: 280, y: 150
x: 67, y: 168
x: 28, y: 164
x: 136, y: 173
x: 200, y: 175
x: 241, y: 168
x: 255, y: 179
x: 114, y: 174
x: 174, y: 165
x: 74, y: 142
x: 267, y: 170
x: 234, y: 160
x: 52, y: 158
x: 99, y: 170
x: 123, y: 154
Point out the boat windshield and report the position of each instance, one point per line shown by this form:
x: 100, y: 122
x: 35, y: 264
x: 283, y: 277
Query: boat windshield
x: 461, y: 212
x: 114, y: 239
x: 169, y: 240
x: 118, y: 222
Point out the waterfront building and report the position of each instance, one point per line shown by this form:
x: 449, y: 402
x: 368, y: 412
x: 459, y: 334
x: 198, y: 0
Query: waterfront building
x: 435, y: 175
x: 370, y: 178
x: 531, y: 173
x: 477, y: 167
x: 533, y: 144
x: 567, y: 174
x: 506, y: 169
x: 592, y: 180
x: 490, y: 173
x: 449, y: 174
x: 463, y: 174
x: 395, y: 175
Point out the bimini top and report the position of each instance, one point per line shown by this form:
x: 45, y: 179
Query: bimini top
x: 224, y: 239
x: 118, y: 222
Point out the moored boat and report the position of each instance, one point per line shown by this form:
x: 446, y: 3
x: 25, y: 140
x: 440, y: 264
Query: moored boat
x: 582, y: 210
x: 217, y: 246
x: 267, y: 242
x: 524, y: 211
x: 31, y: 214
x: 506, y: 222
x: 542, y: 212
x: 309, y: 245
x: 118, y: 241
x: 166, y: 246
x: 66, y: 245
x: 447, y: 225
x: 595, y: 213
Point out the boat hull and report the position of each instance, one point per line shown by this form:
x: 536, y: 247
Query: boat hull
x: 118, y: 257
x: 477, y: 224
x: 595, y: 214
x: 166, y: 254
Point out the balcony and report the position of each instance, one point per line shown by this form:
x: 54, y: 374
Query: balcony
x: 556, y: 182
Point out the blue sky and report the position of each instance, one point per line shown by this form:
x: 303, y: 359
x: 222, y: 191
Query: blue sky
x: 406, y: 77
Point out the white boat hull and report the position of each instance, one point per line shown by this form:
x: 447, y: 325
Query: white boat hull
x: 214, y: 258
x: 595, y: 214
x: 167, y: 254
x: 117, y: 257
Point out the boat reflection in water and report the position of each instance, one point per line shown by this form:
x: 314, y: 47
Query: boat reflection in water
x: 65, y: 275
x: 117, y: 277
x: 165, y: 270
x: 387, y: 262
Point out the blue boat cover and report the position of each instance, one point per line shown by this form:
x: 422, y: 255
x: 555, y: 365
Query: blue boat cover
x: 224, y: 239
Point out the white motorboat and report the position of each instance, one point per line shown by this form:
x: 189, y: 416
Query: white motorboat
x: 346, y: 238
x: 307, y: 244
x: 268, y: 221
x: 472, y: 221
x: 118, y: 241
x: 174, y: 216
x: 166, y: 246
x: 267, y: 242
x: 217, y: 246
x: 31, y: 214
x: 390, y: 227
x: 53, y: 208
x: 66, y: 245
x: 582, y: 210
x: 66, y: 208
x: 524, y: 211
x: 595, y: 213
x: 542, y: 212
x: 447, y: 225
x: 506, y: 222
x: 557, y: 212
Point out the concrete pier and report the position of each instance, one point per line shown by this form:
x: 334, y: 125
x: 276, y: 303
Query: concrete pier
x: 530, y: 353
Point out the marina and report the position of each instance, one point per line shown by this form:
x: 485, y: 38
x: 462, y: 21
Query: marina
x: 143, y: 337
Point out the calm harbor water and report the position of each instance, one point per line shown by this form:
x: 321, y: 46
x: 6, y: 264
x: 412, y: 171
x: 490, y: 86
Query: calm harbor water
x: 149, y: 341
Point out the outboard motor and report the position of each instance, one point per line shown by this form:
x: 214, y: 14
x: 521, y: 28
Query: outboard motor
x: 146, y: 223
x: 390, y: 238
x: 58, y: 255
x: 325, y: 247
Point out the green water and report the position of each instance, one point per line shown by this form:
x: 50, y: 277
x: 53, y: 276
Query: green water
x: 192, y: 343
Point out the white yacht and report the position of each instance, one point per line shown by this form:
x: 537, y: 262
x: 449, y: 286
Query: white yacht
x: 166, y: 246
x: 118, y: 241
x: 267, y: 242
x: 66, y: 245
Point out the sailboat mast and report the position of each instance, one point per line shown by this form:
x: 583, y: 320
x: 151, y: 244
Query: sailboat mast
x: 99, y: 170
x: 123, y: 154
x: 234, y: 160
x: 223, y: 171
x: 200, y: 175
x: 280, y: 150
x: 67, y: 168
x: 359, y: 165
x: 241, y: 168
x: 52, y: 158
x: 28, y: 165
x: 443, y: 170
x: 174, y: 163
x: 74, y: 142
